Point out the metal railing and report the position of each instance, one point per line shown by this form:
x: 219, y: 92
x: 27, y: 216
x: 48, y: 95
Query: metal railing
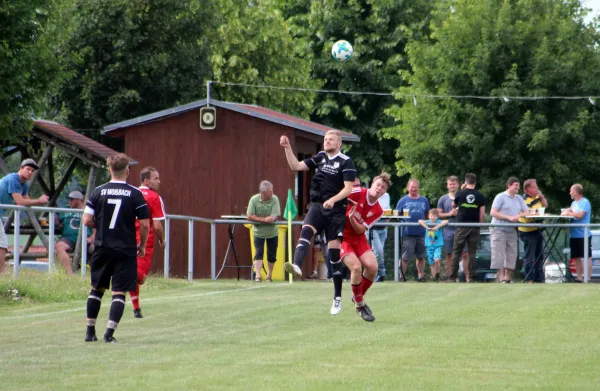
x: 397, y: 226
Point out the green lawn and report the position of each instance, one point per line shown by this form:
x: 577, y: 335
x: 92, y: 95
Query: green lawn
x: 244, y: 336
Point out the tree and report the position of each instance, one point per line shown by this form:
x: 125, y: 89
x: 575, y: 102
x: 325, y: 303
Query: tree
x: 28, y: 65
x: 129, y: 58
x: 378, y: 31
x: 253, y: 45
x: 503, y: 48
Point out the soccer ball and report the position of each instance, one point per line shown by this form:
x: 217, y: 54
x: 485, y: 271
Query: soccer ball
x: 341, y: 51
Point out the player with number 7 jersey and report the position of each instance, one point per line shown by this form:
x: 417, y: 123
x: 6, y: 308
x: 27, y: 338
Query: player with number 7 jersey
x: 113, y: 209
x: 117, y: 205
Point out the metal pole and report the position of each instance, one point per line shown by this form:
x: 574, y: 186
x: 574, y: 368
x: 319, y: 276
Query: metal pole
x: 586, y: 243
x: 83, y: 229
x: 51, y: 242
x: 190, y: 250
x: 167, y: 247
x: 17, y: 232
x: 396, y: 251
x: 208, y: 93
x: 84, y: 253
x: 213, y: 251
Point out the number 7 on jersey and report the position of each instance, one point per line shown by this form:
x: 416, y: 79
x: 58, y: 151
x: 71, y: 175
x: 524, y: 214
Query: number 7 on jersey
x: 117, y: 203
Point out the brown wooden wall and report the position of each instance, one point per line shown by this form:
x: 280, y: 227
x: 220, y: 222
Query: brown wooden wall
x: 209, y: 173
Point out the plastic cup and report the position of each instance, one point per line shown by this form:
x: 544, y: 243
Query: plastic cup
x: 563, y: 210
x: 395, y: 212
x: 541, y: 211
x: 405, y: 212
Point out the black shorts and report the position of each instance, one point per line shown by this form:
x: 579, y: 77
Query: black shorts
x: 577, y: 247
x: 110, y: 265
x: 330, y: 221
x: 259, y: 244
x: 68, y: 242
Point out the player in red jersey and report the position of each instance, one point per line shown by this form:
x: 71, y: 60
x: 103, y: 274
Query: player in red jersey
x: 150, y: 185
x: 363, y: 211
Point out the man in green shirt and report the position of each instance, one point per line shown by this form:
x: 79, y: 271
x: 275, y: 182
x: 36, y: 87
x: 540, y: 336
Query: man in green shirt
x: 264, y: 209
x: 71, y: 221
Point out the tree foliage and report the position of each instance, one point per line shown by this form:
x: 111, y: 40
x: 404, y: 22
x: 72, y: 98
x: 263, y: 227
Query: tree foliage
x: 27, y: 66
x: 130, y: 58
x: 253, y: 45
x: 378, y: 31
x: 503, y: 48
x: 164, y: 51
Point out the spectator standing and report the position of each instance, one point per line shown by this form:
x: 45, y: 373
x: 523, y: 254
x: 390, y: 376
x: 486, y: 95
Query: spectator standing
x: 264, y: 209
x: 413, y: 239
x: 447, y: 211
x: 434, y: 241
x: 508, y: 207
x: 532, y: 238
x: 14, y: 190
x: 471, y: 209
x: 581, y: 209
x: 379, y: 238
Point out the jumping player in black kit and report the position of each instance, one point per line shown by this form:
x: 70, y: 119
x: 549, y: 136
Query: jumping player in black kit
x: 112, y: 209
x: 331, y: 184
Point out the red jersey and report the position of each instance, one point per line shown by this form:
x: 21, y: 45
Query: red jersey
x: 366, y: 214
x: 157, y: 211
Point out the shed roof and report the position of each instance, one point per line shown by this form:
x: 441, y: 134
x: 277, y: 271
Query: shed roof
x: 93, y: 149
x: 252, y: 110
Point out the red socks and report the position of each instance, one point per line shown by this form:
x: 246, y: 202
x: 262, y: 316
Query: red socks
x: 135, y: 297
x: 358, y: 293
x: 361, y: 289
x: 365, y: 284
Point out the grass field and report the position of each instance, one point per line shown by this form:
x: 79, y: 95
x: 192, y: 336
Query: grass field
x: 244, y: 336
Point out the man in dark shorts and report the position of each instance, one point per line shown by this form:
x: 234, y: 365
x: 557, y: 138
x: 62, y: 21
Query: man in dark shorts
x: 471, y: 209
x: 112, y: 209
x: 331, y: 184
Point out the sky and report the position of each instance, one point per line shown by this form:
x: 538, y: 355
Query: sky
x: 594, y: 5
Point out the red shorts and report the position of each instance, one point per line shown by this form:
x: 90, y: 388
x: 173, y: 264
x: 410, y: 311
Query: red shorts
x: 358, y: 246
x: 144, y: 263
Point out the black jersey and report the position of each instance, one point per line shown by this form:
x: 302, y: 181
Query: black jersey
x: 115, y: 206
x: 330, y: 175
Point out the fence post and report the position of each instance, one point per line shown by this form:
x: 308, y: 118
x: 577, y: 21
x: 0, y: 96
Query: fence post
x: 167, y: 247
x: 213, y: 251
x: 84, y: 251
x: 17, y: 232
x: 586, y: 254
x: 190, y: 250
x: 396, y: 251
x: 51, y: 242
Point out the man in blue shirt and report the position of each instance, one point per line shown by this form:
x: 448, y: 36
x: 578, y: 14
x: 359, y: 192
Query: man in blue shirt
x: 413, y: 238
x: 13, y: 190
x: 581, y: 209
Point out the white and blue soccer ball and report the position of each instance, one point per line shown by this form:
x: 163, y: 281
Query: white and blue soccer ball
x: 341, y: 51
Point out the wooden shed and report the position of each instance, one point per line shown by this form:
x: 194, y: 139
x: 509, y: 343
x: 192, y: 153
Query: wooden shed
x: 210, y: 173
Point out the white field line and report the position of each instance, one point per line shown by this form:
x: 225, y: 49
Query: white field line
x: 129, y: 303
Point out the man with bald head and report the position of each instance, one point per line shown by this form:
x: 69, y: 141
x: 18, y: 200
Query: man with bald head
x: 581, y: 210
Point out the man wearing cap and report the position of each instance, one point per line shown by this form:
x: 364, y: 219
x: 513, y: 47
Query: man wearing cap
x: 71, y: 221
x: 14, y: 190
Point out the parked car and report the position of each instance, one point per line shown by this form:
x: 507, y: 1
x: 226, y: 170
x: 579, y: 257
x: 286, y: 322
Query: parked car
x: 595, y: 257
x: 484, y: 259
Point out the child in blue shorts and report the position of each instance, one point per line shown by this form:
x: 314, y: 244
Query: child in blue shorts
x: 434, y: 241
